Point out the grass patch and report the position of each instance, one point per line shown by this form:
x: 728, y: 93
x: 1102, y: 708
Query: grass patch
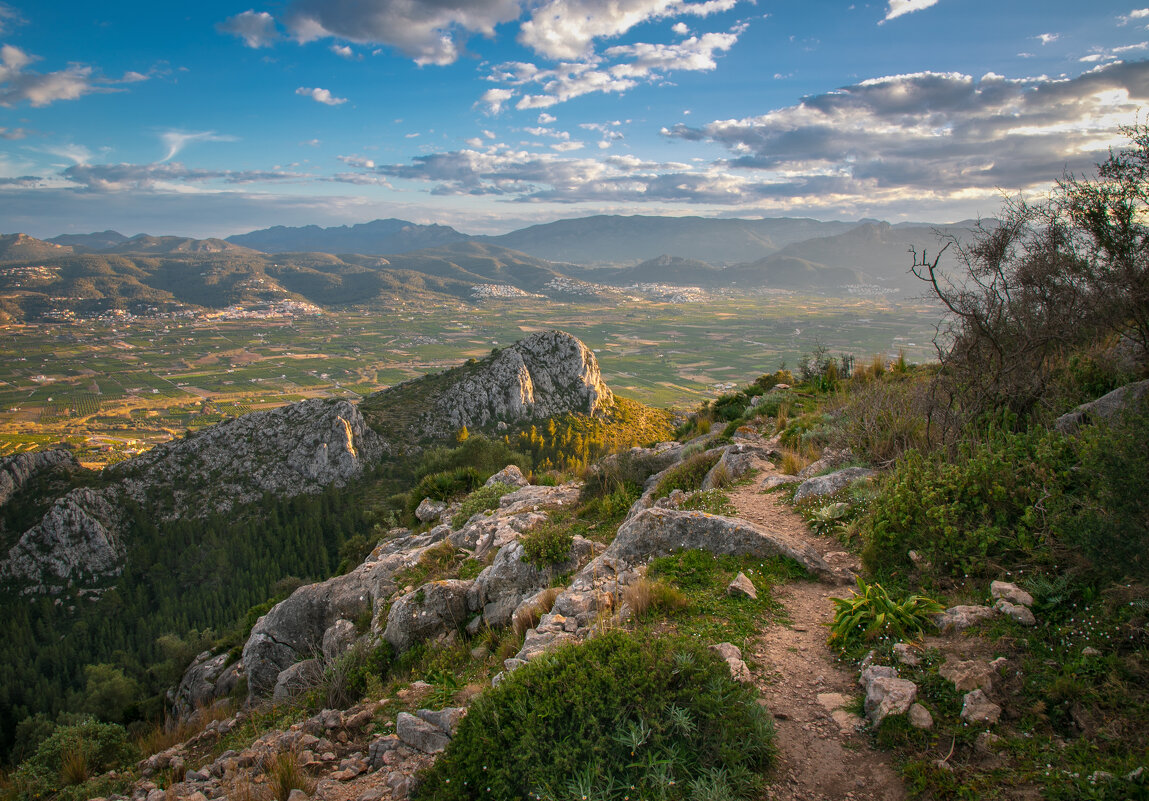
x: 484, y: 499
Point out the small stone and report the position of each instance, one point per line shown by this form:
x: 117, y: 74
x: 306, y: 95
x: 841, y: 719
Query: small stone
x: 1089, y: 650
x: 742, y: 587
x: 1010, y: 592
x: 398, y: 784
x: 977, y: 708
x: 959, y: 618
x: 967, y: 675
x: 920, y: 717
x: 1016, y: 612
x: 297, y: 795
x: 987, y: 742
x: 905, y: 654
x: 374, y: 794
x: 420, y: 734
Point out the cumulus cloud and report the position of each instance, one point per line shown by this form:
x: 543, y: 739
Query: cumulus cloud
x: 175, y: 141
x: 343, y: 51
x: 897, y: 8
x: 1108, y: 54
x: 1135, y: 15
x: 565, y: 29
x: 19, y: 85
x: 943, y: 132
x: 428, y: 32
x: 357, y: 161
x: 1047, y: 38
x: 323, y: 96
x: 257, y: 29
x: 616, y: 70
x: 13, y: 133
x: 495, y: 99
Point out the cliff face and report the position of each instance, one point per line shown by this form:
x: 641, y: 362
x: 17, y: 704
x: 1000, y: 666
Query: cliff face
x: 548, y: 373
x: 77, y: 539
x: 16, y: 471
x: 301, y: 448
x: 287, y: 451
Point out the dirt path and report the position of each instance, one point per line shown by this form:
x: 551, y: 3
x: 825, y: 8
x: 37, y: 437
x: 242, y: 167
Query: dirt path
x: 821, y: 755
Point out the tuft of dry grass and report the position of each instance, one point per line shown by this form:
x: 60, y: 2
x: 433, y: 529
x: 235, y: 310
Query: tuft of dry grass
x: 529, y: 618
x: 74, y: 768
x: 793, y: 462
x: 645, y: 595
x: 285, y: 773
x: 172, y: 732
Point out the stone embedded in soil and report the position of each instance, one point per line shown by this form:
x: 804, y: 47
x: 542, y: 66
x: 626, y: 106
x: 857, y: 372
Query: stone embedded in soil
x: 957, y: 619
x: 1016, y: 612
x: 977, y: 708
x: 1010, y: 592
x: 887, y: 696
x: 920, y: 717
x: 967, y: 675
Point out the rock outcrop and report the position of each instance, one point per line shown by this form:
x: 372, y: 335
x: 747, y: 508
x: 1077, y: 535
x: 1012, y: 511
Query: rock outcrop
x: 78, y: 539
x: 303, y: 447
x: 16, y: 471
x: 1104, y: 408
x: 546, y: 374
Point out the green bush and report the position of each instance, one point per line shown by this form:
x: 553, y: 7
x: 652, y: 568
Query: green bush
x: 70, y: 757
x: 1036, y: 497
x: 617, y: 717
x: 546, y: 545
x: 687, y: 475
x: 871, y: 613
x: 967, y: 515
x: 486, y: 456
x: 481, y: 500
x: 445, y: 486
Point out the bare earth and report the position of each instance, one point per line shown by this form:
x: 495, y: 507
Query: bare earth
x: 820, y: 753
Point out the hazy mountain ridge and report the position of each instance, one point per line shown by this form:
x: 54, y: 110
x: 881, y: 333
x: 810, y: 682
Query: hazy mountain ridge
x: 378, y: 237
x: 38, y: 278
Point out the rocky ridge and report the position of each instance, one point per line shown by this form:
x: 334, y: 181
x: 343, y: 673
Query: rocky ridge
x: 546, y: 374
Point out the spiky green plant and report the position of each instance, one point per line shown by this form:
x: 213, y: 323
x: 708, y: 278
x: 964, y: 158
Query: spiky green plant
x: 872, y: 613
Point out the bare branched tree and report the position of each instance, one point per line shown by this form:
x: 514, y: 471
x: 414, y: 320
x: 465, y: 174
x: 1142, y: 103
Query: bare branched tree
x: 1047, y: 279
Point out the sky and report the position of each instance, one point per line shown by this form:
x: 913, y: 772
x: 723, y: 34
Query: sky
x: 220, y: 117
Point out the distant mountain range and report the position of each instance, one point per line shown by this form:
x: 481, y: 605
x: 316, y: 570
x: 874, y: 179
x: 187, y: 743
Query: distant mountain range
x: 389, y: 259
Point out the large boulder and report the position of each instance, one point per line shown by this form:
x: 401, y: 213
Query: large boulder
x: 659, y: 532
x: 207, y: 679
x: 295, y: 629
x: 509, y: 580
x: 1104, y: 408
x: 435, y: 608
x: 831, y: 483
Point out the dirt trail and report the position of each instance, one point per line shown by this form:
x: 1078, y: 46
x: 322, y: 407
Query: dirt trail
x: 821, y: 755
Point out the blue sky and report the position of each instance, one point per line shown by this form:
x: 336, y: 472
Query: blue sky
x: 219, y: 117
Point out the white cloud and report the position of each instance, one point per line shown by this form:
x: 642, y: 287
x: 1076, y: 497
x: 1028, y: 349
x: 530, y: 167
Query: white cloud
x: 323, y: 96
x: 1047, y: 38
x: 565, y: 29
x: 681, y: 28
x: 428, y: 32
x: 19, y: 85
x: 897, y: 8
x: 494, y: 99
x: 357, y: 161
x: 13, y: 133
x: 617, y: 70
x: 8, y: 17
x: 1133, y: 16
x: 257, y: 29
x: 934, y: 132
x: 546, y: 119
x: 175, y: 141
x: 311, y: 143
x: 343, y: 51
x: 473, y: 142
x: 1102, y: 54
x: 564, y: 147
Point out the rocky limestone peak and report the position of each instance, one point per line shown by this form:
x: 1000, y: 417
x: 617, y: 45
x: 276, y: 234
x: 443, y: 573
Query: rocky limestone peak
x: 16, y: 471
x: 548, y: 373
x: 78, y: 538
x: 302, y: 447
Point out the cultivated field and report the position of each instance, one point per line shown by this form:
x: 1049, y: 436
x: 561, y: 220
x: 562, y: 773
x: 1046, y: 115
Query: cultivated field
x: 115, y: 389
